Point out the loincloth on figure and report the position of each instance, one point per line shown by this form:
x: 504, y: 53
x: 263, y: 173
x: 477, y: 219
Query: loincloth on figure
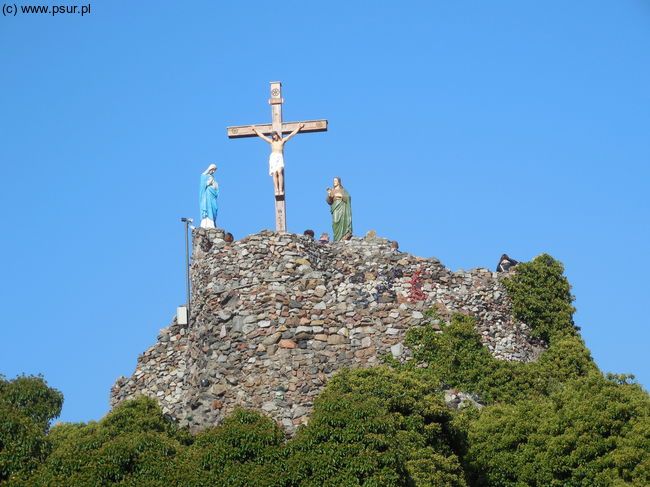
x: 276, y: 162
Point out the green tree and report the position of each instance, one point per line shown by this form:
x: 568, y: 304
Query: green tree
x: 239, y: 452
x: 541, y: 297
x: 27, y: 406
x: 590, y: 432
x: 455, y: 357
x: 375, y: 427
x: 133, y: 445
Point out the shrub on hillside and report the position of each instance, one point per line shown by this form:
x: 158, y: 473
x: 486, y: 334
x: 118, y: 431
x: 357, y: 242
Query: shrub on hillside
x: 27, y: 405
x: 33, y: 397
x: 239, y: 452
x: 541, y: 297
x: 134, y: 444
x: 589, y: 432
x: 375, y: 427
x: 455, y: 357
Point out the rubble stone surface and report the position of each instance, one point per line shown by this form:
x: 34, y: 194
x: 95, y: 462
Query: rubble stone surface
x: 275, y: 315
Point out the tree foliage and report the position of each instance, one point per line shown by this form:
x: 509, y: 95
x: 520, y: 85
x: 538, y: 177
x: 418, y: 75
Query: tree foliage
x: 589, y: 432
x: 132, y: 444
x: 27, y: 405
x: 541, y: 297
x: 554, y: 422
x: 376, y: 427
x: 457, y: 358
x: 240, y: 452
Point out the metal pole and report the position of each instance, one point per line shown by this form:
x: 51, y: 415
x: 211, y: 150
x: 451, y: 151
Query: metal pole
x: 187, y: 267
x: 187, y: 222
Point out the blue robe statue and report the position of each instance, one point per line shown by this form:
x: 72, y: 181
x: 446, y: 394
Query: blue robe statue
x: 208, y: 194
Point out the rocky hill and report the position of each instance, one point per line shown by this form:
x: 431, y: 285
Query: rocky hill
x: 275, y: 315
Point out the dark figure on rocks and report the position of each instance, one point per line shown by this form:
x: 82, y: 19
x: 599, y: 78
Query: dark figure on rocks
x: 229, y: 238
x: 309, y: 233
x: 506, y: 263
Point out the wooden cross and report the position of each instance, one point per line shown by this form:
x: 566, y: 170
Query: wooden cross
x: 277, y: 125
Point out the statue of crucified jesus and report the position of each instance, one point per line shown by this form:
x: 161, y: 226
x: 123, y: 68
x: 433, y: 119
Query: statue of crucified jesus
x: 276, y: 159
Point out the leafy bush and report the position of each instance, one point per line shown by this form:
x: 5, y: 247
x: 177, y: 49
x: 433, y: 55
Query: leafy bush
x: 239, y: 452
x: 589, y: 432
x: 133, y: 445
x: 27, y: 405
x: 541, y: 297
x: 22, y: 444
x: 456, y: 358
x: 33, y: 397
x: 376, y: 427
x: 554, y: 422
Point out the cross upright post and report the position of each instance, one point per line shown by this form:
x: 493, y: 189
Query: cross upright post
x: 276, y: 102
x: 277, y: 126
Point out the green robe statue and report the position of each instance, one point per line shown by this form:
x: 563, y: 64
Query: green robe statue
x: 340, y: 203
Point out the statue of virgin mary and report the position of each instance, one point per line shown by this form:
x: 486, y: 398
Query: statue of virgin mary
x: 208, y: 194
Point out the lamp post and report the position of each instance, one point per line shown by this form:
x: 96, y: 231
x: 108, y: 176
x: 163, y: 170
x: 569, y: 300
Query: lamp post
x: 188, y: 222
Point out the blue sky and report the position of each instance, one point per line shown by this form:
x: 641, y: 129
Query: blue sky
x: 461, y: 129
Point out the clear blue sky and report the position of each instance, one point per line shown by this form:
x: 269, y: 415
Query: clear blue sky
x: 462, y: 129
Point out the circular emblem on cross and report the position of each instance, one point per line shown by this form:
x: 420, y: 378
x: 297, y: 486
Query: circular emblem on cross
x: 275, y: 92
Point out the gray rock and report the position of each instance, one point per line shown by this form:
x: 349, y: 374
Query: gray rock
x: 397, y: 350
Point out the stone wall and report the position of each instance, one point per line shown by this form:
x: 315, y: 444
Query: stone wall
x: 275, y: 315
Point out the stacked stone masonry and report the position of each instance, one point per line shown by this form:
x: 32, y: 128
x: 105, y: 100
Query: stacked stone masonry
x: 275, y: 315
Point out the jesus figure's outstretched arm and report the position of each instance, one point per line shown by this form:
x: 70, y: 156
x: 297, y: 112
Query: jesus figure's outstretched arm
x: 261, y: 135
x: 286, y: 139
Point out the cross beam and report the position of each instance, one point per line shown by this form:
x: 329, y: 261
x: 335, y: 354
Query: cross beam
x: 243, y: 131
x: 277, y: 125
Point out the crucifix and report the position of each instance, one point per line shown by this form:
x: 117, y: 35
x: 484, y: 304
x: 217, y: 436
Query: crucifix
x: 273, y: 134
